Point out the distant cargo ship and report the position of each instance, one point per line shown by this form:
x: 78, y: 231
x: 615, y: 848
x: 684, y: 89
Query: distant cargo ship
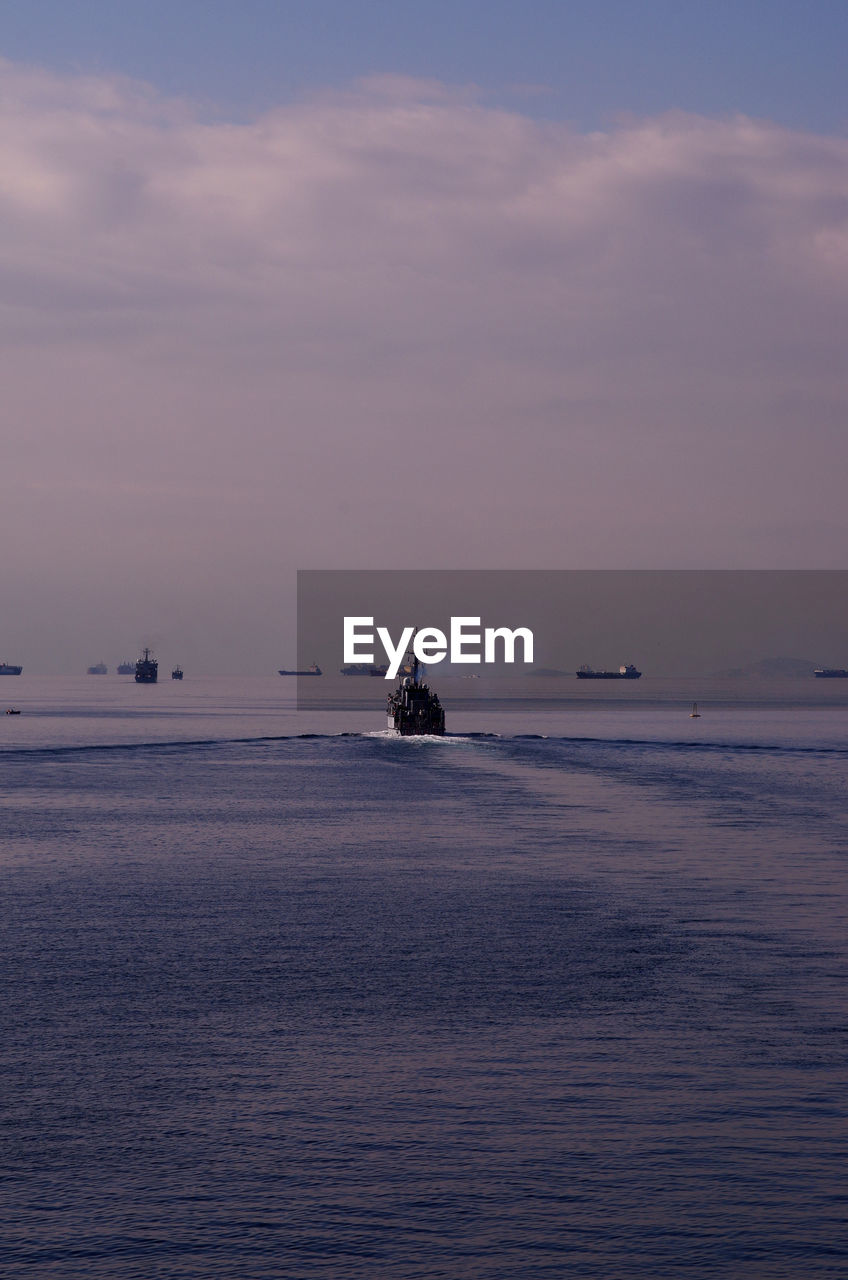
x: 99, y: 669
x: 362, y: 669
x: 830, y: 673
x: 623, y: 673
x: 126, y: 668
x: 146, y: 669
x: 177, y: 673
x: 9, y: 669
x: 314, y: 670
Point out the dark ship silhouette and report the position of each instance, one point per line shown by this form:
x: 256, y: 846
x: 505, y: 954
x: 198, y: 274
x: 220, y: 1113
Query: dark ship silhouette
x: 628, y: 672
x: 413, y: 709
x: 177, y: 673
x: 146, y: 669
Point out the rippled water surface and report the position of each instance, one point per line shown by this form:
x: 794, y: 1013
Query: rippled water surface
x: 351, y: 1006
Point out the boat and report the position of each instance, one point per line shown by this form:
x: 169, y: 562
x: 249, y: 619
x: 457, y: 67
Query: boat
x: 830, y: 673
x: 362, y: 669
x: 623, y: 673
x: 99, y: 669
x: 9, y: 669
x: 13, y: 711
x: 314, y: 670
x: 126, y: 668
x: 413, y: 708
x: 694, y: 714
x: 146, y: 669
x: 177, y: 673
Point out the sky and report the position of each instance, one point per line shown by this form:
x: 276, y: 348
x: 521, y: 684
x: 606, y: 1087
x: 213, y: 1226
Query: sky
x: 379, y: 285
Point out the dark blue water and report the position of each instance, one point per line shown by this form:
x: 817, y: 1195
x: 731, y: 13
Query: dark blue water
x: 361, y: 1007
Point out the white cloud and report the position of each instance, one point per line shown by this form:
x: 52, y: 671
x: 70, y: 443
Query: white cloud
x: 494, y: 337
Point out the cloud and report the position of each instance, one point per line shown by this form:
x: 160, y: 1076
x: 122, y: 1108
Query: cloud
x: 398, y: 322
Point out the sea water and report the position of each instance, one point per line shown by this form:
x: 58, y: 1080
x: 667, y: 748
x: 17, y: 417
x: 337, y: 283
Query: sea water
x: 562, y: 994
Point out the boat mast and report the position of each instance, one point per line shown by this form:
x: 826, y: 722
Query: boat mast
x: 414, y: 663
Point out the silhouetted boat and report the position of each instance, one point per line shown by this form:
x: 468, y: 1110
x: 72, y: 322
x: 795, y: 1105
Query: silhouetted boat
x: 830, y: 673
x: 413, y: 708
x: 362, y: 669
x: 314, y: 670
x: 623, y: 673
x: 146, y: 669
x: 177, y: 673
x: 9, y: 669
x: 125, y: 668
x: 99, y: 669
x: 694, y: 714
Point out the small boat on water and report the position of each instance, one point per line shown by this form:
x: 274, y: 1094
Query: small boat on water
x: 9, y: 669
x: 126, y: 668
x: 146, y: 669
x: 694, y: 714
x: 413, y: 708
x: 314, y: 670
x: 13, y: 711
x: 177, y: 673
x: 99, y: 669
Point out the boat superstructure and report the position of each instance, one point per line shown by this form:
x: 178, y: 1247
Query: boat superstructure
x: 413, y: 708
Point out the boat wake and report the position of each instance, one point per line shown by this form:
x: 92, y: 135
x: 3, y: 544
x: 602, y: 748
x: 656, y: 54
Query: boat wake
x: 455, y: 739
x: 34, y: 751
